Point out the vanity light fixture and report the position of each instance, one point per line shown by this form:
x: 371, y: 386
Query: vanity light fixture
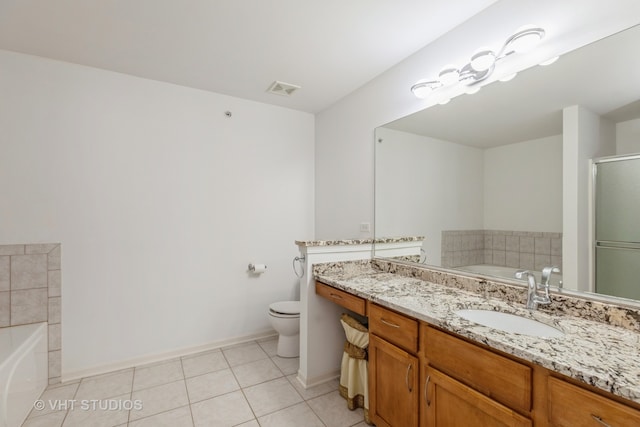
x: 482, y: 63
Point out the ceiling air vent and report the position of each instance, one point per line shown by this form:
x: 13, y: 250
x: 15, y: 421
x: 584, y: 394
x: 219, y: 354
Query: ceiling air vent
x: 282, y: 88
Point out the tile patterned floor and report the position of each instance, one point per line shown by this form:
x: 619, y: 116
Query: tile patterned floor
x: 245, y: 385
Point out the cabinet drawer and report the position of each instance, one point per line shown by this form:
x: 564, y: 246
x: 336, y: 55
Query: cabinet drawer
x: 345, y: 299
x: 394, y: 327
x: 570, y: 405
x: 504, y: 380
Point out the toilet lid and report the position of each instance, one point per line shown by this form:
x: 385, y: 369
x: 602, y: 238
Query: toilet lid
x: 285, y: 307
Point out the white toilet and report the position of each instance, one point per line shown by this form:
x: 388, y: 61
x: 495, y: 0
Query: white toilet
x: 285, y: 319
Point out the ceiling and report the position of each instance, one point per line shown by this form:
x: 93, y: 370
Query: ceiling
x: 235, y: 47
x: 602, y: 77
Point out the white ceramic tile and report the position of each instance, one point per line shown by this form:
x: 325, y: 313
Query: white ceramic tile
x: 288, y: 365
x: 180, y: 417
x: 271, y: 396
x: 227, y: 410
x: 211, y: 385
x: 252, y: 423
x: 160, y: 398
x: 203, y: 363
x: 270, y: 346
x: 244, y: 353
x: 40, y: 248
x: 106, y: 385
x: 156, y: 374
x: 53, y: 419
x: 96, y: 415
x: 257, y: 372
x: 315, y: 391
x: 55, y: 363
x: 28, y: 271
x: 293, y: 416
x: 332, y: 410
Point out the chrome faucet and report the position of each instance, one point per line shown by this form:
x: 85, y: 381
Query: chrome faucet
x: 533, y: 298
x: 546, y: 274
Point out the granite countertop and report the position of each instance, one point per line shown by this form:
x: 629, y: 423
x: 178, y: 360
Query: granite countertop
x: 344, y: 242
x: 596, y: 353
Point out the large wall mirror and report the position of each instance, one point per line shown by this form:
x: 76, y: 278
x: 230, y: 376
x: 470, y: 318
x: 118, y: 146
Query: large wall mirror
x: 483, y: 177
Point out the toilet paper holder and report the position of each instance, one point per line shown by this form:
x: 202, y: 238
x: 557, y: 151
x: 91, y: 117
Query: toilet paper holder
x: 257, y: 268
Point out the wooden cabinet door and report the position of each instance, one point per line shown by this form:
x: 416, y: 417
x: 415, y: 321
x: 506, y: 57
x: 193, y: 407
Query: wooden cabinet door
x: 393, y: 385
x: 570, y: 405
x: 449, y: 403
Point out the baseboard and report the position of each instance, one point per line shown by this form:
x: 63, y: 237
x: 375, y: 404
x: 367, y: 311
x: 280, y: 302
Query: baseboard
x: 312, y: 382
x: 159, y: 357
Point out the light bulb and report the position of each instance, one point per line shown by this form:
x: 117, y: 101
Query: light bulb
x: 508, y: 77
x: 550, y: 61
x: 449, y: 75
x: 524, y: 39
x: 483, y: 59
x: 423, y: 88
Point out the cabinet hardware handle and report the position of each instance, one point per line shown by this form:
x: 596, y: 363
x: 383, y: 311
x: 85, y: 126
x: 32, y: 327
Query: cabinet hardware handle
x: 393, y: 325
x: 600, y: 420
x: 335, y: 296
x: 426, y: 388
x: 406, y: 378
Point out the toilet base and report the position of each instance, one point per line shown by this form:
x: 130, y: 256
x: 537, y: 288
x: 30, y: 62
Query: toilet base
x: 288, y: 346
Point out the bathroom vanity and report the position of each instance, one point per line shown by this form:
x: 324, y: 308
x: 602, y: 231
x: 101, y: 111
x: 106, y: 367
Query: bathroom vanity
x: 428, y: 366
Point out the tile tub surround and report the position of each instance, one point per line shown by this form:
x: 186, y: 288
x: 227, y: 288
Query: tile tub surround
x: 30, y: 292
x: 515, y: 249
x: 601, y: 342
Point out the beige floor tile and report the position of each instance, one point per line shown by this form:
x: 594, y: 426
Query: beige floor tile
x: 106, y: 385
x: 293, y: 416
x: 257, y: 372
x: 314, y: 391
x: 211, y: 385
x: 95, y: 415
x: 160, y: 398
x: 50, y: 420
x: 160, y: 373
x: 271, y: 396
x: 332, y: 410
x: 288, y: 365
x: 223, y: 411
x: 55, y: 399
x: 252, y: 423
x: 204, y: 363
x: 270, y: 346
x: 244, y: 353
x: 180, y: 417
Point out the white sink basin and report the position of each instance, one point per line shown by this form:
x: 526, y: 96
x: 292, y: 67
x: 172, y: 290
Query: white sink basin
x: 510, y: 323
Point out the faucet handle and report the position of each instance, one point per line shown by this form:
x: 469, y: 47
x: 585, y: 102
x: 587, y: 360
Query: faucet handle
x: 523, y: 273
x: 546, y: 274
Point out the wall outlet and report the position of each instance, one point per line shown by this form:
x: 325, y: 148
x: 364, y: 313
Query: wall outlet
x: 365, y: 227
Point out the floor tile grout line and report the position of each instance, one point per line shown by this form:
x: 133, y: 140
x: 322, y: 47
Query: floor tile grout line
x: 241, y: 389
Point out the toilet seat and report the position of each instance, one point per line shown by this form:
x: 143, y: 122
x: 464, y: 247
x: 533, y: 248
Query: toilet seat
x: 285, y: 309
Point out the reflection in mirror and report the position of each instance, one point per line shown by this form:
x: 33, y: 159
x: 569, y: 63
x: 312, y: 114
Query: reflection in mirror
x: 482, y: 178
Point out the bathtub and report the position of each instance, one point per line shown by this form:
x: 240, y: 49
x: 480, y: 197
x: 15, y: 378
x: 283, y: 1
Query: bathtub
x: 506, y: 272
x: 23, y: 371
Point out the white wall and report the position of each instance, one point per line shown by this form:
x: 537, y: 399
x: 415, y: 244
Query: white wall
x: 523, y: 186
x: 628, y: 137
x: 159, y: 200
x: 424, y: 186
x: 585, y: 136
x: 344, y: 133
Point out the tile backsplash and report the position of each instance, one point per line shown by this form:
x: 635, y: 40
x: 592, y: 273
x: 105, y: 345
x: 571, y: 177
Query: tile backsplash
x: 516, y: 249
x: 30, y: 292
